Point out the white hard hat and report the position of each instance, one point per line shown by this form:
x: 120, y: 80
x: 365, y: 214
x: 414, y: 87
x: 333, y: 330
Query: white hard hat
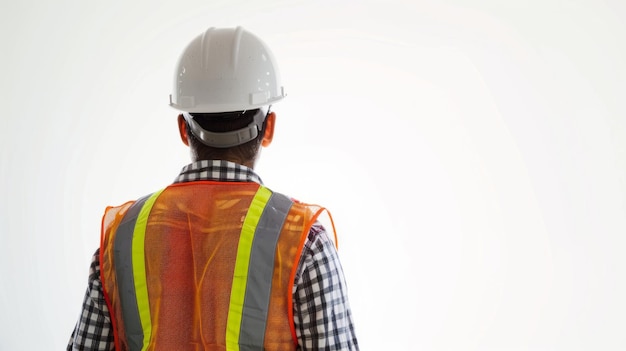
x: 225, y: 70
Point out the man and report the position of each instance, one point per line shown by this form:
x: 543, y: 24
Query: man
x: 217, y: 261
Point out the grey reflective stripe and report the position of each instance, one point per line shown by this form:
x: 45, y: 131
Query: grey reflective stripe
x: 261, y: 270
x: 123, y: 258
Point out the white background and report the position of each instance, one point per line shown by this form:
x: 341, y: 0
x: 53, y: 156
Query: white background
x: 473, y: 154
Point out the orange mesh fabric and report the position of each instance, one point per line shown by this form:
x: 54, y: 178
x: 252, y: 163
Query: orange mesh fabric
x: 191, y: 245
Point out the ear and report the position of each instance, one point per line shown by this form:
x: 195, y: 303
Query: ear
x: 182, y: 129
x: 269, y: 129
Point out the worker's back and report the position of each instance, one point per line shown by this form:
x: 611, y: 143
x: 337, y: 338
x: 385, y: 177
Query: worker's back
x: 201, y: 265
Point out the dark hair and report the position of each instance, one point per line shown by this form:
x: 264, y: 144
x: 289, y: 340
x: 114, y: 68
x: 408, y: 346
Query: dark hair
x: 226, y: 122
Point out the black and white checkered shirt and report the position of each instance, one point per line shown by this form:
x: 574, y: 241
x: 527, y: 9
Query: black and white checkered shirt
x: 322, y: 314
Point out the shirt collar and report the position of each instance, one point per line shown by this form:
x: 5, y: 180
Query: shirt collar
x: 217, y: 170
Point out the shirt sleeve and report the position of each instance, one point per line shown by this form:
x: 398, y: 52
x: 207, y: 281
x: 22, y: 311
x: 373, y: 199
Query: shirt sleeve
x: 93, y: 330
x: 322, y: 314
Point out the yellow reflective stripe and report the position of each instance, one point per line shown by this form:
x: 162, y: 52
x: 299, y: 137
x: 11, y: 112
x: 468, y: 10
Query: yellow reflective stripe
x: 240, y: 276
x: 139, y: 268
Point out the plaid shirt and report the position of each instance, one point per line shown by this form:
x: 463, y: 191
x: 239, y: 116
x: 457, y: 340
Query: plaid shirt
x: 322, y: 314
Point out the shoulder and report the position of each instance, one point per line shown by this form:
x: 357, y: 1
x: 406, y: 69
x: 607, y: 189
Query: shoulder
x: 318, y: 241
x: 318, y: 252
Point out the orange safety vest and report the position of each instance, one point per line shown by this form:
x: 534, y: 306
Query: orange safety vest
x: 204, y: 266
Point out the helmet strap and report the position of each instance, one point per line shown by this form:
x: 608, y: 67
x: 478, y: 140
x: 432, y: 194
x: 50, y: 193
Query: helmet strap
x: 227, y: 139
